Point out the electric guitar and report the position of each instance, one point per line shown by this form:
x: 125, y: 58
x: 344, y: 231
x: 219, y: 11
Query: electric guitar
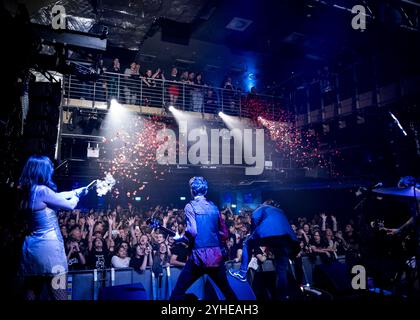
x: 378, y: 225
x: 155, y: 224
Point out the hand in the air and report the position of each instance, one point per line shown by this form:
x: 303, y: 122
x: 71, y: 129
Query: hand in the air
x: 131, y: 221
x: 111, y: 220
x: 165, y: 220
x: 90, y: 221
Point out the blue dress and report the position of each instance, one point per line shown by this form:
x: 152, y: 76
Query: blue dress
x: 43, y: 251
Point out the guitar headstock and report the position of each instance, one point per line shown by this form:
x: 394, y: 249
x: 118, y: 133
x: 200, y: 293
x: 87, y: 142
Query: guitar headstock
x: 378, y: 225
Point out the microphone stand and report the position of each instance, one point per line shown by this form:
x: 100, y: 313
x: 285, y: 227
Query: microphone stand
x: 416, y: 215
x: 360, y: 203
x: 365, y: 194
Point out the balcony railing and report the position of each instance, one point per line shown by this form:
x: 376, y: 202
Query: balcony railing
x: 157, y: 93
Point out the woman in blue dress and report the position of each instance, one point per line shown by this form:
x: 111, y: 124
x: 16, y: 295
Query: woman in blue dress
x: 44, y: 262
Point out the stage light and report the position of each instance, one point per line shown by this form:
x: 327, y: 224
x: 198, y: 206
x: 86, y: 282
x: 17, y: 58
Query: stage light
x: 250, y: 80
x: 115, y: 108
x: 264, y: 122
x: 116, y: 118
x: 178, y: 114
x: 232, y: 122
x: 184, y: 117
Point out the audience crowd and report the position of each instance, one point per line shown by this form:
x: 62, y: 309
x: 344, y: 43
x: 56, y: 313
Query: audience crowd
x: 122, y: 238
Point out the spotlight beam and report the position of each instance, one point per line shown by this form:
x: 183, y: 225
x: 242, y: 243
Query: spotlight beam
x: 231, y: 122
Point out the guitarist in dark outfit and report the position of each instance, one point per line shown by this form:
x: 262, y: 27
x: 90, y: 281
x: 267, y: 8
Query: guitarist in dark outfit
x: 270, y: 227
x: 413, y: 222
x: 205, y: 231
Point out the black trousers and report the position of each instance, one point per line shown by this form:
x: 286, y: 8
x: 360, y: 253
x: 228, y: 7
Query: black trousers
x: 191, y: 272
x: 280, y: 247
x: 40, y: 288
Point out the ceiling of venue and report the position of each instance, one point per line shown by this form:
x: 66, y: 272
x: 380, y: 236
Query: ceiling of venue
x: 271, y: 39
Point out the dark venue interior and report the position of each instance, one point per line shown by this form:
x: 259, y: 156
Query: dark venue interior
x: 311, y: 105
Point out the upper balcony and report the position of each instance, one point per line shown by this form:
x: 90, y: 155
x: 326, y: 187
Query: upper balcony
x: 154, y: 96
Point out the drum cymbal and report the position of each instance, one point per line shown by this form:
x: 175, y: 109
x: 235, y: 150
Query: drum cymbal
x: 399, y: 192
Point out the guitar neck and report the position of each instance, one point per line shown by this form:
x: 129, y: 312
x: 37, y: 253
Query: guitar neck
x: 154, y: 223
x: 168, y: 231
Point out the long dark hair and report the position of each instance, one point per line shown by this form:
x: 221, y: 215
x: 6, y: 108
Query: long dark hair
x: 38, y: 170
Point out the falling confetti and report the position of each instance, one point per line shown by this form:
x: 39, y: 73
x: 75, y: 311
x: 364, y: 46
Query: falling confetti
x: 301, y: 146
x: 132, y: 147
x: 106, y: 185
x: 133, y: 154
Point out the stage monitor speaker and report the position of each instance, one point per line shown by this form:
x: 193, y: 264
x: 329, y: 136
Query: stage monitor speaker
x: 333, y: 277
x: 134, y: 291
x: 242, y: 290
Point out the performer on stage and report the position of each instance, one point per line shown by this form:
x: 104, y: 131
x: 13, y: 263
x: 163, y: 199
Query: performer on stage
x: 408, y: 187
x: 43, y: 254
x: 205, y: 230
x: 269, y: 227
x: 410, y: 183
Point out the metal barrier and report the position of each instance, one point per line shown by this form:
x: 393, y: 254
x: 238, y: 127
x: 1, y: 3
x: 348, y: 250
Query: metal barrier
x: 86, y: 284
x: 307, y: 265
x: 149, y: 92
